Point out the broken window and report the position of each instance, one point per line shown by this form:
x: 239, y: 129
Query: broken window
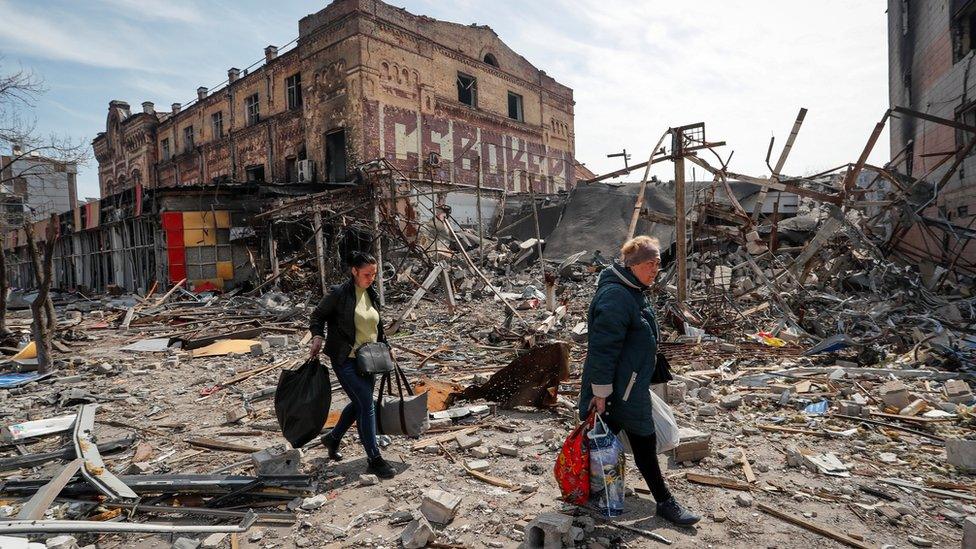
x: 962, y: 211
x: 188, y: 139
x: 291, y: 174
x: 467, y: 86
x: 165, y: 146
x: 255, y: 173
x: 217, y: 124
x: 515, y: 107
x: 293, y: 87
x: 491, y: 60
x: 965, y: 114
x: 335, y: 156
x: 963, y: 32
x: 252, y: 108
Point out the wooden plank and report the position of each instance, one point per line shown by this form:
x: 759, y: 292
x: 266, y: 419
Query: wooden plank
x: 813, y: 527
x: 746, y: 468
x: 169, y: 293
x: 415, y: 299
x: 721, y: 482
x: 446, y: 437
x: 794, y: 430
x: 41, y: 500
x: 214, y: 444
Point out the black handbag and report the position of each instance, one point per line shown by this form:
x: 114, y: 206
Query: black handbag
x: 374, y: 358
x: 662, y: 370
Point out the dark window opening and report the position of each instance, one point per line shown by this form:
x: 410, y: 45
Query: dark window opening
x: 964, y: 32
x: 293, y: 87
x: 515, y: 107
x: 217, y: 124
x: 253, y: 109
x: 165, y: 146
x: 962, y: 211
x: 188, y: 139
x: 255, y: 173
x: 491, y: 60
x: 966, y: 115
x: 335, y: 156
x: 291, y: 171
x: 467, y: 89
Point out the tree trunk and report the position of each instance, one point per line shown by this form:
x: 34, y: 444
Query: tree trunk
x: 43, y: 325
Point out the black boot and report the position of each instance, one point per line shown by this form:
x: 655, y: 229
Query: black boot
x: 379, y: 467
x: 332, y: 446
x: 672, y: 511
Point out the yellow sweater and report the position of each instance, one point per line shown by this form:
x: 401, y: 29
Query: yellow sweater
x: 367, y: 320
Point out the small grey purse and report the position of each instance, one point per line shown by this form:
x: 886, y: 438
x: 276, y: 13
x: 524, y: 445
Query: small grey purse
x: 374, y: 358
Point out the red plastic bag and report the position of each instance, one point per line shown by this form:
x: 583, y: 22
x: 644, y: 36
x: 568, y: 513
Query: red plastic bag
x: 572, y: 468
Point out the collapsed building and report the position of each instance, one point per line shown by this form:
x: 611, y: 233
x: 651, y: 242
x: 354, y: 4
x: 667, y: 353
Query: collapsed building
x: 362, y: 81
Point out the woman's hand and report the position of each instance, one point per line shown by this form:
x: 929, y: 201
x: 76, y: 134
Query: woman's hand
x: 598, y: 403
x: 315, y: 347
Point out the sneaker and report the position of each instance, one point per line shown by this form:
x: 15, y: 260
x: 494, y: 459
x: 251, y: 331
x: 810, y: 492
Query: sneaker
x: 672, y: 511
x: 379, y: 467
x: 332, y: 446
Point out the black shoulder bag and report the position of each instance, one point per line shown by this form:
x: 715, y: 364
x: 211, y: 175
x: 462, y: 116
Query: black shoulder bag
x: 374, y: 358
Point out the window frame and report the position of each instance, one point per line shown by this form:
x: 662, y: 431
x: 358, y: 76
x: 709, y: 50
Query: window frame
x: 252, y: 108
x: 188, y: 138
x: 217, y: 124
x: 520, y: 106
x: 293, y: 91
x: 472, y: 89
x: 164, y: 145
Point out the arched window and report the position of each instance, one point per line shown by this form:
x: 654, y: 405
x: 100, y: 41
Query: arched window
x: 490, y: 59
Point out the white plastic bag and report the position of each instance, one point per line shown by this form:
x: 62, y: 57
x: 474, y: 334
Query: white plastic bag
x: 665, y: 427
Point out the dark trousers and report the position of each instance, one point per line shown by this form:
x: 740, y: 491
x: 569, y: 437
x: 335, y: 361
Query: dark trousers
x: 360, y: 409
x: 645, y: 457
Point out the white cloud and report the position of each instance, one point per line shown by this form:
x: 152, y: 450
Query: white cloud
x: 172, y: 10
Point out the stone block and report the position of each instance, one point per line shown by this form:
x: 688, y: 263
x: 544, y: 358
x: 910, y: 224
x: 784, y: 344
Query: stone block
x: 692, y: 445
x: 480, y: 452
x: 479, y: 465
x: 849, y: 408
x: 547, y: 531
x: 969, y: 533
x: 235, y: 414
x: 958, y: 391
x: 213, y: 540
x: 676, y: 391
x: 276, y: 460
x: 276, y: 340
x: 731, y: 402
x: 466, y: 442
x: 510, y: 451
x: 439, y: 506
x: 961, y: 453
x: 417, y: 534
x: 258, y: 349
x: 895, y: 394
x: 185, y: 543
x: 61, y: 542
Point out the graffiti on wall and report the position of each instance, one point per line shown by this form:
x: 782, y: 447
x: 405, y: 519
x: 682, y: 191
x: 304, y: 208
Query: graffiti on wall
x: 469, y: 151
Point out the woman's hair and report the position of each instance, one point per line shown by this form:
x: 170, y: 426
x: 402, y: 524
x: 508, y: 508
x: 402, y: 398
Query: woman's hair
x: 640, y: 249
x: 358, y: 260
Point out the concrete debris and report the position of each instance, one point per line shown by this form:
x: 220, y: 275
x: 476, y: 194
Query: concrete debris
x: 439, y: 506
x: 417, y: 534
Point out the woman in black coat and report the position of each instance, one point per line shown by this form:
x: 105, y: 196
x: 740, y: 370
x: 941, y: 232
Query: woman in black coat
x: 351, y: 311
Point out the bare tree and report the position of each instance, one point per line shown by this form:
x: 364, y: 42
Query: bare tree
x: 44, y: 324
x: 26, y: 154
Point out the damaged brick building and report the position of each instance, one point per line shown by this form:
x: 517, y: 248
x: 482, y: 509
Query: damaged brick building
x: 931, y: 47
x: 362, y: 81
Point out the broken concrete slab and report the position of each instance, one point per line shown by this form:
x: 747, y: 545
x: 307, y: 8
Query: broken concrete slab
x: 961, y: 453
x: 417, y: 534
x: 439, y: 506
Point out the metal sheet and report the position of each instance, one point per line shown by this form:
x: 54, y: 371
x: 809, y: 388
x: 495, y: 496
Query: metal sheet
x: 155, y: 345
x: 94, y: 469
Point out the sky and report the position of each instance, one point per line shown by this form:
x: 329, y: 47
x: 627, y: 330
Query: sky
x: 637, y: 67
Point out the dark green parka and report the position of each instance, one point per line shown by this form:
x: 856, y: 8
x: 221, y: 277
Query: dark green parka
x: 621, y: 351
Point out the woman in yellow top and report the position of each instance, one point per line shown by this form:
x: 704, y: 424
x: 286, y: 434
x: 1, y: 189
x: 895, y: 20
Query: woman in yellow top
x: 351, y: 311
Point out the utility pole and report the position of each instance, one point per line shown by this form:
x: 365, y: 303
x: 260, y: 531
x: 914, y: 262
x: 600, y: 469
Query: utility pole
x: 681, y: 250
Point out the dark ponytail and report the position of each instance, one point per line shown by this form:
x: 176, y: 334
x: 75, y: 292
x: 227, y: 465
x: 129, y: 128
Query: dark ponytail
x: 358, y: 260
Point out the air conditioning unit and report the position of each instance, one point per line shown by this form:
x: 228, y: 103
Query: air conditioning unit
x: 304, y: 168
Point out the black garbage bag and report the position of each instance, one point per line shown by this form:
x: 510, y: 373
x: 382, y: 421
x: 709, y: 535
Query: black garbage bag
x: 302, y: 401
